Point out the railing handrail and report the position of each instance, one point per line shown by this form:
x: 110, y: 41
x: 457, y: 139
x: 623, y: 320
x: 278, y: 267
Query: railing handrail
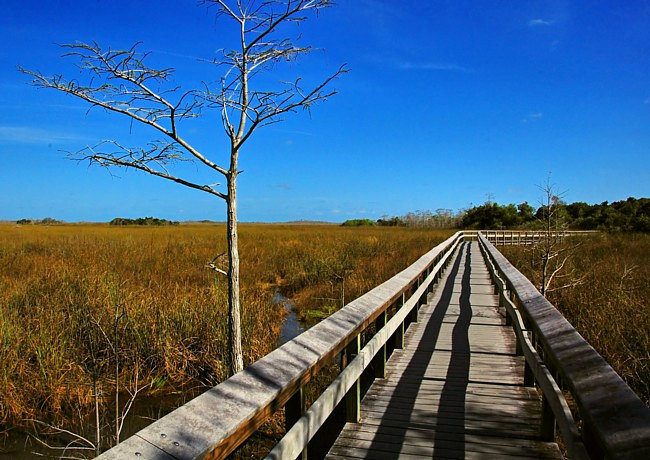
x: 616, y: 423
x: 216, y: 422
x: 539, y: 230
x: 298, y: 437
x: 555, y: 408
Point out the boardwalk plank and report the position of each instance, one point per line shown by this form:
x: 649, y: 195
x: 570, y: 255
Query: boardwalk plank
x: 428, y: 434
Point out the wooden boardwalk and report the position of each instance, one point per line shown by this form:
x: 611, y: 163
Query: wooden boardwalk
x: 456, y: 389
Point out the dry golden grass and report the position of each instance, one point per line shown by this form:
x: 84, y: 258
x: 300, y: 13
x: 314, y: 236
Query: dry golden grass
x: 61, y: 286
x: 610, y: 308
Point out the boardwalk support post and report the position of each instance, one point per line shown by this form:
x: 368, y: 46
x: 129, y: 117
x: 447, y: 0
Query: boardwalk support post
x: 548, y: 422
x: 413, y: 315
x: 293, y: 410
x: 379, y: 361
x: 399, y: 333
x: 353, y: 396
x: 502, y: 304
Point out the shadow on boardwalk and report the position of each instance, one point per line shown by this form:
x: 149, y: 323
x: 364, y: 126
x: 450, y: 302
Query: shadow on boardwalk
x: 452, y: 398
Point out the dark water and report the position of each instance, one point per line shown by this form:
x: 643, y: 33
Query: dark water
x: 291, y: 327
x: 21, y: 445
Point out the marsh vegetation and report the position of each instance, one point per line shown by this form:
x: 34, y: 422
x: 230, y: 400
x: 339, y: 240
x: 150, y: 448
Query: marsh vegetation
x: 84, y: 308
x: 609, y: 307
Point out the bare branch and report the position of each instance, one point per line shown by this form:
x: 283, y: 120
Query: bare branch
x: 76, y: 437
x: 573, y: 283
x: 212, y: 265
x: 158, y: 154
x: 119, y: 83
x: 555, y: 272
x: 133, y: 394
x: 290, y: 102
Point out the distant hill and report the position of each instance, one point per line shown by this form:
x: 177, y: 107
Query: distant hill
x: 307, y: 222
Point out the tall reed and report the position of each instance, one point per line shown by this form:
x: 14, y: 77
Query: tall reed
x: 86, y: 307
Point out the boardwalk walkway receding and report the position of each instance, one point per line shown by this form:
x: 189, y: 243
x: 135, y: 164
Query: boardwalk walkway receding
x: 456, y: 389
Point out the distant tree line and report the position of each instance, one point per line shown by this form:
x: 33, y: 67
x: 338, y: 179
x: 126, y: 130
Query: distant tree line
x: 142, y: 221
x: 359, y: 223
x: 442, y: 218
x: 631, y: 215
x: 46, y: 221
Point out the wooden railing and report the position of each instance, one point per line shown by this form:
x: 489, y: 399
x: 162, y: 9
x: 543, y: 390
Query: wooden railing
x: 524, y: 237
x: 215, y: 423
x: 614, y: 422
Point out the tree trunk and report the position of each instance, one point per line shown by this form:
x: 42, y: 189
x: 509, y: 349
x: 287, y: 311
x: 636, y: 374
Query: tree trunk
x: 234, y: 315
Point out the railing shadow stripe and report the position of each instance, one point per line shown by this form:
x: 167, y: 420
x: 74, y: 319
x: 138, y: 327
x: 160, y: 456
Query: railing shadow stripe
x: 431, y: 334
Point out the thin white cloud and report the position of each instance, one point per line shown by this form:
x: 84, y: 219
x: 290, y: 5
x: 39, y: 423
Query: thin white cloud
x: 185, y: 56
x: 540, y: 22
x: 34, y: 136
x: 415, y: 64
x: 442, y: 66
x: 531, y: 117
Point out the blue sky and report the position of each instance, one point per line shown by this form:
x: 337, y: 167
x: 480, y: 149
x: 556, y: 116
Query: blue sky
x: 446, y: 103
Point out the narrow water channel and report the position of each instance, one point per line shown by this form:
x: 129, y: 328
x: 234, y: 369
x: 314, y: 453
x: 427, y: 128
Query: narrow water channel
x: 291, y: 326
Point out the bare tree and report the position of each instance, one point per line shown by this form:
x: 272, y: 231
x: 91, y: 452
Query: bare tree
x: 121, y: 81
x: 553, y: 248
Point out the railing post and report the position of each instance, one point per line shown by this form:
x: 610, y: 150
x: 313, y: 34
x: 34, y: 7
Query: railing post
x: 413, y: 315
x: 399, y: 333
x: 502, y: 304
x: 293, y: 410
x: 529, y: 377
x: 379, y: 361
x: 519, y: 348
x: 353, y: 396
x: 548, y: 422
x: 591, y: 444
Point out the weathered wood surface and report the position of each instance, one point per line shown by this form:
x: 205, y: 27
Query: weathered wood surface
x: 555, y: 409
x: 616, y: 423
x: 455, y: 390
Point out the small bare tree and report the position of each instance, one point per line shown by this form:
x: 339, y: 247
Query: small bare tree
x: 553, y: 248
x: 122, y: 82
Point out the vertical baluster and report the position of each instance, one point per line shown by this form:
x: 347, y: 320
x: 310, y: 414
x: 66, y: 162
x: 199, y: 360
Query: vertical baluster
x: 379, y: 360
x: 353, y: 396
x: 399, y: 333
x: 414, y: 314
x: 293, y: 410
x: 548, y: 422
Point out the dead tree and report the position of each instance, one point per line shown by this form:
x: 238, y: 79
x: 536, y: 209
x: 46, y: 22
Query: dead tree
x: 553, y: 248
x: 121, y: 81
